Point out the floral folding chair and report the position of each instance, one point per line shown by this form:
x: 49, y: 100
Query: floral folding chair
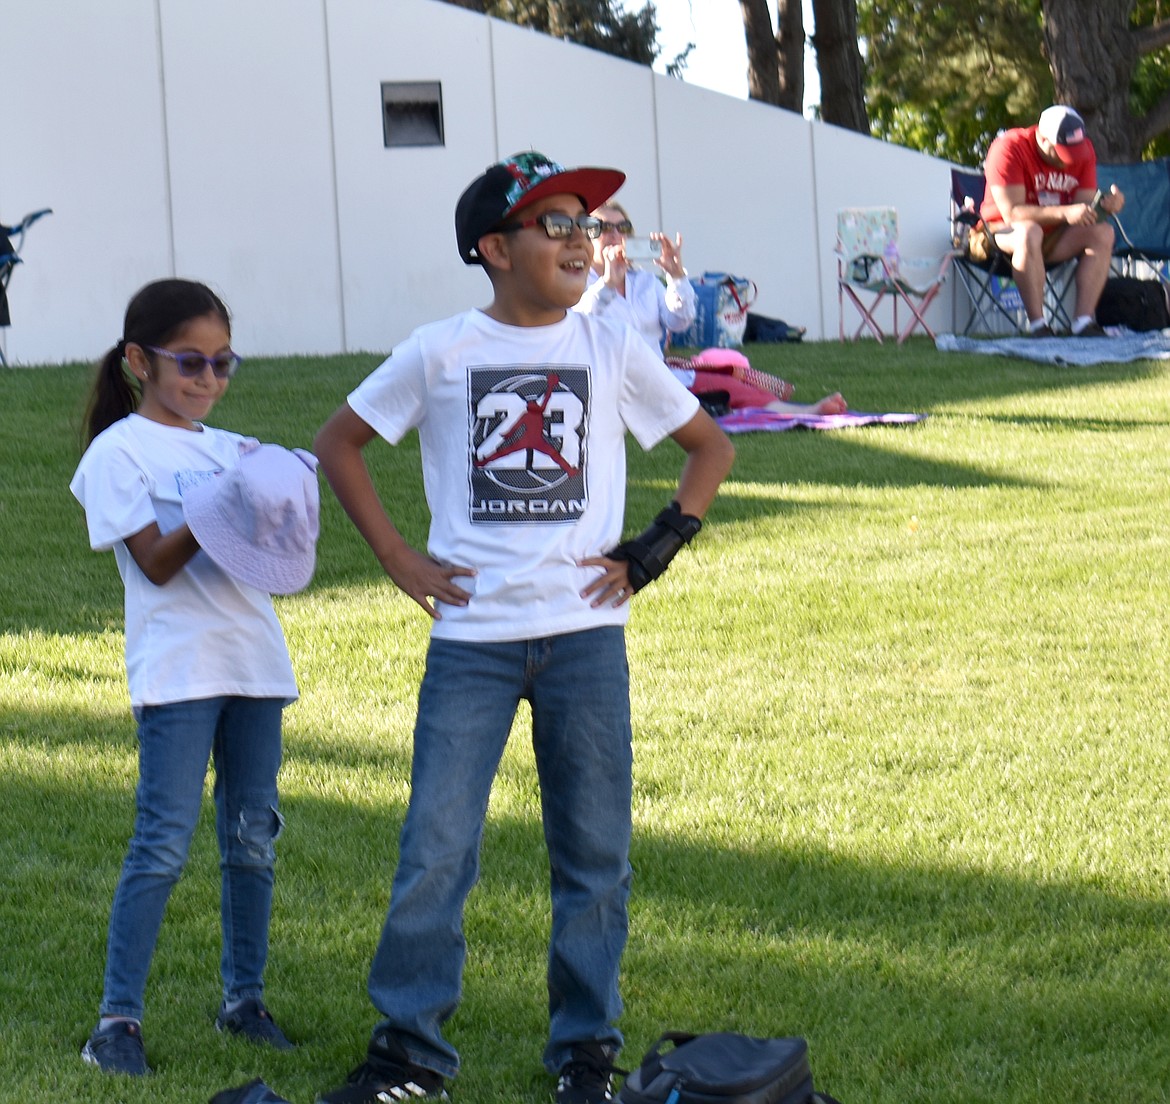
x: 870, y: 269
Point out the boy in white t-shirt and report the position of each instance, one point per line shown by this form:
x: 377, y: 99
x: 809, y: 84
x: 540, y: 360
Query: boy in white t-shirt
x: 522, y: 410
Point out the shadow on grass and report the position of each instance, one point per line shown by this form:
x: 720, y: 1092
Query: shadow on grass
x: 1074, y: 425
x: 53, y: 583
x: 912, y: 981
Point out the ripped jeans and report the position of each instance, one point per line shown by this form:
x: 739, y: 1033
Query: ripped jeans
x: 241, y: 736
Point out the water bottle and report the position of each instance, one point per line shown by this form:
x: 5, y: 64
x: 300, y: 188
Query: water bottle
x: 890, y: 256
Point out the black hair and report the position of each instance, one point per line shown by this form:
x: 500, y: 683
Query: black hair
x: 153, y: 317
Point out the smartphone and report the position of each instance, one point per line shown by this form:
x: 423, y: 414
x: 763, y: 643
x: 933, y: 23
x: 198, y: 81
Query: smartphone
x: 1097, y: 203
x: 645, y: 250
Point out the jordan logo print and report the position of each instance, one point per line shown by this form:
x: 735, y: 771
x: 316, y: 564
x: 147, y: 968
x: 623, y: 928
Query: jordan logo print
x: 528, y: 435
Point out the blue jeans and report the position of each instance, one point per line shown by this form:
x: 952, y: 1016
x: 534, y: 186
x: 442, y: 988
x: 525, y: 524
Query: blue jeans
x: 175, y: 742
x: 578, y: 687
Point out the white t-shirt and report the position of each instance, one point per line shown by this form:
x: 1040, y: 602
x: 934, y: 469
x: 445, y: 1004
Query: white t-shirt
x: 522, y: 431
x: 202, y: 634
x: 649, y: 305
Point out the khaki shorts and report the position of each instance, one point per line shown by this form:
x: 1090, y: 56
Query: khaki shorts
x: 981, y: 248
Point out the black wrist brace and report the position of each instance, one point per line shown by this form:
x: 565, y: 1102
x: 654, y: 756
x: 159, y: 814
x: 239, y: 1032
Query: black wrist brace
x: 650, y: 554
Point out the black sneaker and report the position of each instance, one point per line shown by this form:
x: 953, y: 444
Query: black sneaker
x: 1090, y: 329
x: 117, y: 1048
x: 252, y: 1021
x: 386, y: 1075
x: 587, y: 1077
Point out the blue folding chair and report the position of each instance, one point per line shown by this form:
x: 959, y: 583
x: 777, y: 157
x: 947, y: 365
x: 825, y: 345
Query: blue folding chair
x: 11, y: 243
x: 989, y: 284
x: 1143, y: 228
x: 991, y: 292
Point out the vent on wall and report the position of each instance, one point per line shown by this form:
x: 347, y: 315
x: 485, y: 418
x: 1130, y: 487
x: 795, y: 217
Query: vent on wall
x: 412, y: 113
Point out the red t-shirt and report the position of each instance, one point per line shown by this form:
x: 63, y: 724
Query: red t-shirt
x: 1014, y: 158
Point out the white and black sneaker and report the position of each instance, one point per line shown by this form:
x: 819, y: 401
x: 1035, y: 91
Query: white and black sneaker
x: 385, y: 1076
x: 587, y: 1077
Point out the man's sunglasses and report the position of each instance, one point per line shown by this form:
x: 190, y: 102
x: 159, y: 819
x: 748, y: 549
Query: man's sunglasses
x: 625, y: 227
x: 557, y: 226
x: 224, y: 365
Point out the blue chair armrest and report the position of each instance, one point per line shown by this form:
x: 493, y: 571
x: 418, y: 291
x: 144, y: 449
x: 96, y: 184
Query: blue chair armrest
x: 33, y: 216
x: 26, y: 222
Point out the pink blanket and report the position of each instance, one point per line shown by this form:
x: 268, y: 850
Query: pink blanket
x: 751, y: 420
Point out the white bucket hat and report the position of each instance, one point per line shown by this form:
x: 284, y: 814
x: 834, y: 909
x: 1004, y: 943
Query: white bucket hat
x: 259, y: 520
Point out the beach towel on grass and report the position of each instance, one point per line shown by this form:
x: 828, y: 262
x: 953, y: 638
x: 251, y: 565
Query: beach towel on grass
x: 756, y: 420
x: 1119, y: 348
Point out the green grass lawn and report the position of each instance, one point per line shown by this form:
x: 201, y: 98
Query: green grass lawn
x: 901, y: 762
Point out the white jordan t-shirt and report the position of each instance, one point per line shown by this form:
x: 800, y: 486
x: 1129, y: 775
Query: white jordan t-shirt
x: 522, y: 431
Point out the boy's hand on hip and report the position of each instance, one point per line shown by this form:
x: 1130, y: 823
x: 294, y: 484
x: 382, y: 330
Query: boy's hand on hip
x: 422, y: 579
x: 613, y: 585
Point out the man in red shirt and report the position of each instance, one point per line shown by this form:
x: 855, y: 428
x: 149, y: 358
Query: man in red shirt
x: 1039, y: 206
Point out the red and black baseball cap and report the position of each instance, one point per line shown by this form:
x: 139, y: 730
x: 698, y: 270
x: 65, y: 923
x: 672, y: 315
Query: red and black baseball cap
x: 516, y: 182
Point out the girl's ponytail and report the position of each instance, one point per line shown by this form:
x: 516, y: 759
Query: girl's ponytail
x: 113, y: 395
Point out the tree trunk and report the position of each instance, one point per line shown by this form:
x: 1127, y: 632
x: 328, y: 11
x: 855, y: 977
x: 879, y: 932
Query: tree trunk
x: 790, y: 41
x: 839, y: 64
x: 1093, y: 54
x: 763, y: 52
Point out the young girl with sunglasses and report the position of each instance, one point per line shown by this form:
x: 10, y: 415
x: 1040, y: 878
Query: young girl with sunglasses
x: 208, y: 669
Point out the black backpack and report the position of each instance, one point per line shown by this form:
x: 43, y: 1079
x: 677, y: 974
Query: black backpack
x: 1138, y: 305
x: 723, y: 1068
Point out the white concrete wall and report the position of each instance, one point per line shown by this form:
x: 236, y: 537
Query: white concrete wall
x: 251, y: 165
x: 240, y: 142
x: 741, y: 190
x: 83, y: 132
x: 396, y: 206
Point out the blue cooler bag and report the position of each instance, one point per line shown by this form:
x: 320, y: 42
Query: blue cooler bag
x: 721, y: 310
x: 723, y: 1068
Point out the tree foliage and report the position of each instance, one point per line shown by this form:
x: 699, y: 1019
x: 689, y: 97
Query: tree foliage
x: 1148, y: 96
x: 600, y: 24
x: 946, y: 78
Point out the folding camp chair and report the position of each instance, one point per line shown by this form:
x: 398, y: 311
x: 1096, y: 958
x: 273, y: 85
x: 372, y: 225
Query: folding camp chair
x: 11, y: 243
x: 1141, y: 249
x: 991, y: 291
x: 870, y: 268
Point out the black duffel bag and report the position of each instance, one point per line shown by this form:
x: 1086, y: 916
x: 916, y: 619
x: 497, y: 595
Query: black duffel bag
x: 1138, y: 305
